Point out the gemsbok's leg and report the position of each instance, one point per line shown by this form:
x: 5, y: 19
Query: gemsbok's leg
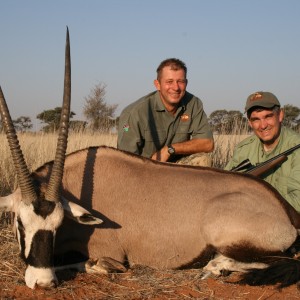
x: 104, y: 265
x: 251, y: 232
x: 222, y: 263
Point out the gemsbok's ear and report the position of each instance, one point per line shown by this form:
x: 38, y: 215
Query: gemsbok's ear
x: 78, y: 213
x: 9, y: 203
x: 6, y: 204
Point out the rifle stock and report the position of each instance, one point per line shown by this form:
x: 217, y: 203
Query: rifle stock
x: 263, y: 168
x: 245, y: 164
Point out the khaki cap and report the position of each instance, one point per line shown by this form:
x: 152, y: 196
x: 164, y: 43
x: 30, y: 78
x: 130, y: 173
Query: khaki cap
x: 263, y: 99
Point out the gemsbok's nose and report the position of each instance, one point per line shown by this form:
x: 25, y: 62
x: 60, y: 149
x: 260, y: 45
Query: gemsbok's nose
x: 40, y: 277
x: 50, y: 284
x: 46, y: 279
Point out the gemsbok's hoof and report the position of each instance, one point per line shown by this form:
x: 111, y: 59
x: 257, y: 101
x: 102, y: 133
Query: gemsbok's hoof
x: 105, y: 265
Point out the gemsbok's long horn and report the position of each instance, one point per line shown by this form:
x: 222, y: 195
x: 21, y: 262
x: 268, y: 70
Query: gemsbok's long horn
x: 23, y: 175
x: 53, y: 190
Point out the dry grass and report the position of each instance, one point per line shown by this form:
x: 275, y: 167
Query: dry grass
x: 11, y: 266
x: 138, y: 283
x: 224, y: 146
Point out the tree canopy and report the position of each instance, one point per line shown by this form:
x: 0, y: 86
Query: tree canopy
x: 52, y: 118
x: 77, y: 125
x: 291, y: 116
x: 228, y: 122
x: 23, y: 123
x: 99, y: 114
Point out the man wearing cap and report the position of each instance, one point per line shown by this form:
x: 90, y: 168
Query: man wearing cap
x: 270, y: 139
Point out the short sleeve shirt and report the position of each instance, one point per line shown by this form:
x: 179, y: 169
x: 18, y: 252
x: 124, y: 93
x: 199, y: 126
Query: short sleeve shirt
x: 145, y: 126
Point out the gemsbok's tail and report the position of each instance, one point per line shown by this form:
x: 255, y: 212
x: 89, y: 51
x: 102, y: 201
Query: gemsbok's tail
x: 283, y: 272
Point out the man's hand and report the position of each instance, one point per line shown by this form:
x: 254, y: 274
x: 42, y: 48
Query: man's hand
x: 161, y: 155
x: 185, y: 148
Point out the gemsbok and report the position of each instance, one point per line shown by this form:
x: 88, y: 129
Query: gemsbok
x: 140, y: 211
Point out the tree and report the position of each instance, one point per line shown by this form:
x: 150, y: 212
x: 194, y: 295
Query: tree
x: 291, y: 116
x: 97, y: 111
x: 52, y: 118
x: 77, y: 126
x: 227, y: 122
x: 22, y: 123
x: 216, y: 118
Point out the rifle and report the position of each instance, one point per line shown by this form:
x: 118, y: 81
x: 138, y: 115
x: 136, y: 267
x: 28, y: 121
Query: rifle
x: 266, y: 166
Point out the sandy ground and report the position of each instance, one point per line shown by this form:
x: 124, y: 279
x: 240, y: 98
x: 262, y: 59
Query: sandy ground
x: 138, y: 283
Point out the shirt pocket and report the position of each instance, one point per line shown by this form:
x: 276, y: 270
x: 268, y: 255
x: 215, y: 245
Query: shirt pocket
x: 288, y: 187
x: 157, y: 139
x: 183, y: 133
x: 282, y: 185
x: 292, y: 185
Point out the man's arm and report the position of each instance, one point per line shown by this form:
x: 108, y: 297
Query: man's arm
x: 289, y: 183
x: 185, y: 148
x: 236, y: 159
x: 202, y: 139
x: 129, y: 137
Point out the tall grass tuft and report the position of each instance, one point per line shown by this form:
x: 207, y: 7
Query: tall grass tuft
x: 225, y: 143
x: 224, y: 146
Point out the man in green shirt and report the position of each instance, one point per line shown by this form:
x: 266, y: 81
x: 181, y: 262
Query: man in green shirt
x: 270, y: 139
x: 168, y: 123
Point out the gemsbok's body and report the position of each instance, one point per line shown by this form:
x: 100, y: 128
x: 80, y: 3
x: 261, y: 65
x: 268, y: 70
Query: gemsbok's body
x: 141, y: 212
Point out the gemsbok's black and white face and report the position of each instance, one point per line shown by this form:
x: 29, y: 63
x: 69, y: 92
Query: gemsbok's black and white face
x: 36, y: 225
x: 40, y: 212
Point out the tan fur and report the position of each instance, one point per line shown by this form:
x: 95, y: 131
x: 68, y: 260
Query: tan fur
x: 167, y: 215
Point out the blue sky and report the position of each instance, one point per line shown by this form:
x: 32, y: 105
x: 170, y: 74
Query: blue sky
x: 231, y: 47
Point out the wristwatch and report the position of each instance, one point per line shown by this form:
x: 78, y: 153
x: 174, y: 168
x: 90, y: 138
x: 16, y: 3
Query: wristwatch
x: 171, y: 150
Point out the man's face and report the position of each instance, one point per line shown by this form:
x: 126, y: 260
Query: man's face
x: 172, y: 86
x: 266, y: 125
